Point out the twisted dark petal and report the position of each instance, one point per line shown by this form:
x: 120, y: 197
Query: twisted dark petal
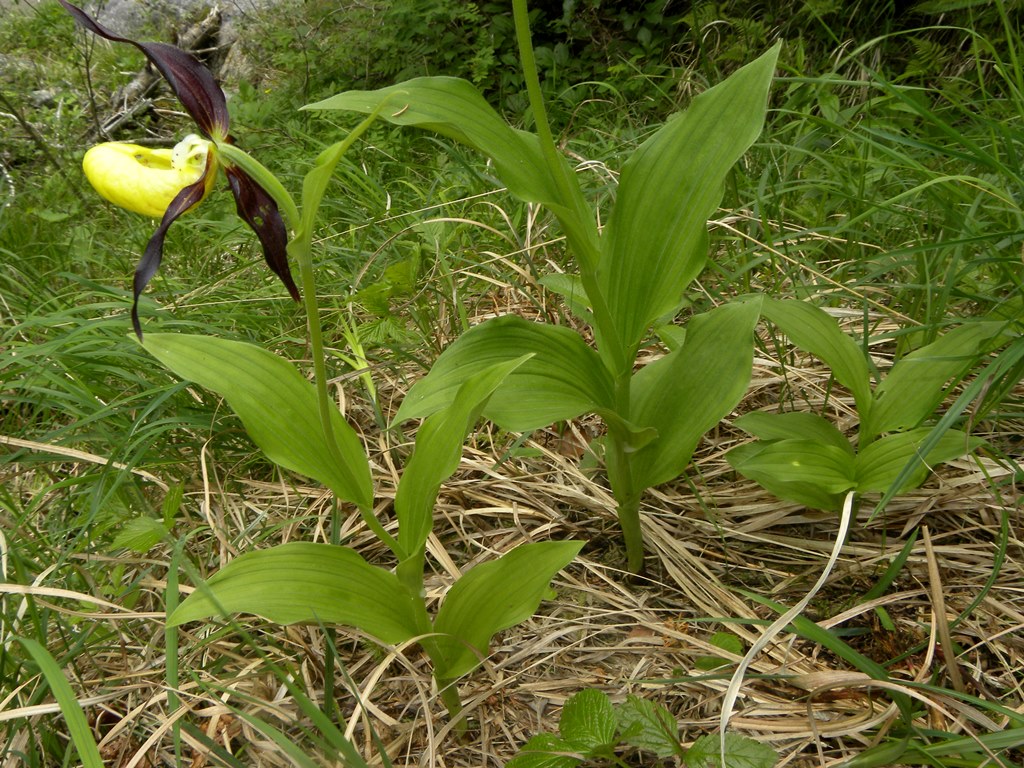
x: 260, y: 212
x: 191, y: 82
x: 150, y: 261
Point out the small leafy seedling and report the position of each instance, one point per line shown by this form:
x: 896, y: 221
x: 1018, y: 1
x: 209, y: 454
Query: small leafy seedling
x: 592, y: 728
x: 802, y: 457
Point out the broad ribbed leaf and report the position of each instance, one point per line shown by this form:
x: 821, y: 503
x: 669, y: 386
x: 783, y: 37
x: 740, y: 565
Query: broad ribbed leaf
x: 311, y: 583
x: 915, y: 386
x: 803, y: 471
x: 275, y: 403
x: 494, y: 596
x: 795, y: 425
x: 879, y: 464
x: 655, y: 241
x: 814, y: 330
x: 687, y: 392
x: 439, y: 443
x: 562, y: 380
x: 454, y: 108
x: 649, y: 726
x: 588, y: 720
x: 740, y: 752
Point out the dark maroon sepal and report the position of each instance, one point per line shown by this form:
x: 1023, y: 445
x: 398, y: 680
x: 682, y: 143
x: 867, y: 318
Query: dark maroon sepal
x: 260, y: 212
x: 150, y: 261
x: 191, y: 82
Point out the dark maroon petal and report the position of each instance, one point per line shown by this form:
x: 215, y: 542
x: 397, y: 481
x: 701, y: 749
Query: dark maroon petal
x: 150, y: 261
x: 191, y: 82
x: 260, y: 212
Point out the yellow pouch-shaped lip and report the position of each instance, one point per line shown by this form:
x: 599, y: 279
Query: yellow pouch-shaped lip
x: 146, y: 180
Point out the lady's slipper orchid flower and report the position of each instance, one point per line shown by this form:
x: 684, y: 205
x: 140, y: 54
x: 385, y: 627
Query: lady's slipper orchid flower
x: 165, y: 183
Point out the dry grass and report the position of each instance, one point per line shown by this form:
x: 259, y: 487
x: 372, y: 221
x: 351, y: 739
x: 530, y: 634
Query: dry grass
x: 707, y: 536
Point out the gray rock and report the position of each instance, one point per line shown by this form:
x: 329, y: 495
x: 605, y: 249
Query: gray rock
x: 133, y: 17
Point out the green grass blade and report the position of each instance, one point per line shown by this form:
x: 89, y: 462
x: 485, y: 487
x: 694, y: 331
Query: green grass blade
x: 81, y: 736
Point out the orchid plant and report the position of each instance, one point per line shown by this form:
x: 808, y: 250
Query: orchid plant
x: 803, y: 457
x: 299, y: 427
x: 629, y: 286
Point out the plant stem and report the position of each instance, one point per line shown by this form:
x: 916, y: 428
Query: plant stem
x: 449, y: 691
x: 300, y: 249
x: 581, y: 232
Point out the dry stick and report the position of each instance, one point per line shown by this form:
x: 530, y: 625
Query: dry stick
x: 192, y: 39
x: 939, y: 612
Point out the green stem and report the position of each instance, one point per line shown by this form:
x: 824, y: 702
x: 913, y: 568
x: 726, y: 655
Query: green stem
x: 619, y: 461
x: 581, y: 232
x: 171, y: 645
x: 449, y: 691
x: 300, y: 249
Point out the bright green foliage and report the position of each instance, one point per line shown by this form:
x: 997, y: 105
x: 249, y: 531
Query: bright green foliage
x: 277, y: 405
x: 311, y: 583
x: 563, y: 378
x: 802, y: 457
x: 494, y: 596
x: 592, y: 728
x: 727, y: 641
x: 74, y: 717
x: 327, y: 584
x: 656, y: 241
x: 687, y: 392
x: 648, y: 726
x: 740, y: 752
x: 632, y: 278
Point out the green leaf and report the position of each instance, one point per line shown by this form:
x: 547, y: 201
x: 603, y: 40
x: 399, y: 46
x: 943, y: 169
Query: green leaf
x: 140, y: 534
x: 878, y: 465
x: 803, y: 471
x: 687, y: 392
x: 656, y: 238
x: 74, y: 719
x: 648, y: 726
x: 277, y: 405
x: 312, y: 583
x: 494, y: 596
x: 796, y: 425
x: 562, y: 380
x: 545, y: 750
x: 740, y: 752
x: 570, y: 288
x: 916, y: 384
x: 314, y: 184
x: 727, y: 641
x: 454, y: 108
x: 588, y: 721
x: 814, y: 330
x: 439, y: 442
